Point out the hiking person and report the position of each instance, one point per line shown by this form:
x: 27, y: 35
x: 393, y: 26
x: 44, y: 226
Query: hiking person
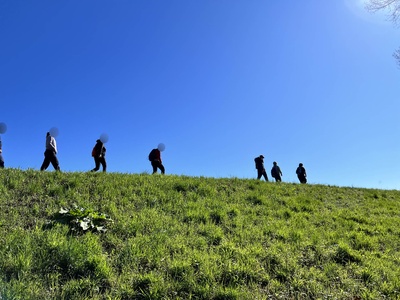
x: 301, y: 173
x: 1, y: 155
x: 99, y: 155
x: 259, y: 161
x: 1, y: 159
x: 50, y: 154
x: 276, y: 172
x: 156, y: 162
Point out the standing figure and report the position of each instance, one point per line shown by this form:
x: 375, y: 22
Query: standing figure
x: 1, y: 158
x: 301, y: 173
x: 50, y: 154
x: 99, y: 155
x: 276, y: 172
x: 1, y: 155
x: 156, y: 162
x: 260, y: 167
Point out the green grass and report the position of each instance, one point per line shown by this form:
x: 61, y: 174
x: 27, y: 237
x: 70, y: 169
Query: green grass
x: 176, y: 237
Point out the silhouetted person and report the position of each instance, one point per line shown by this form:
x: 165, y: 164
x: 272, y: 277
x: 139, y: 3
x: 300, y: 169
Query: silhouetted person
x: 99, y: 155
x: 156, y: 162
x: 50, y: 155
x: 276, y: 172
x: 301, y: 173
x: 260, y: 167
x: 1, y: 159
x: 1, y: 155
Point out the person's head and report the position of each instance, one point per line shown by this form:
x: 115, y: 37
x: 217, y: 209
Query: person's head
x: 275, y: 163
x: 300, y: 164
x: 48, y: 134
x: 261, y: 156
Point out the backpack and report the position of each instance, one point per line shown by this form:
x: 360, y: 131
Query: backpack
x: 94, y: 151
x: 98, y: 150
x: 259, y: 162
x: 152, y: 155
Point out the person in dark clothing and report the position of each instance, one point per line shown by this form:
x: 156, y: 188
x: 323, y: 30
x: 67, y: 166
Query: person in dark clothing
x: 301, y: 173
x: 1, y: 155
x: 260, y: 167
x: 276, y: 172
x: 156, y: 162
x: 50, y: 155
x: 1, y: 159
x: 99, y: 155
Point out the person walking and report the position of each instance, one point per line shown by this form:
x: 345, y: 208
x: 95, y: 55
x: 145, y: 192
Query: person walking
x: 99, y: 155
x: 3, y: 129
x: 259, y: 161
x: 50, y: 155
x: 276, y: 172
x: 156, y: 162
x: 301, y: 173
x: 1, y: 155
x: 1, y: 159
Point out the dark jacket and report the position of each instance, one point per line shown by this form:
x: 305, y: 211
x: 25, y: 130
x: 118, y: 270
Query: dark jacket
x: 276, y: 171
x: 155, y: 155
x: 301, y: 171
x: 99, y: 150
x: 259, y: 161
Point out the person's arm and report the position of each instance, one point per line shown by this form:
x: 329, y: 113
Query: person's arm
x: 158, y: 155
x: 53, y: 144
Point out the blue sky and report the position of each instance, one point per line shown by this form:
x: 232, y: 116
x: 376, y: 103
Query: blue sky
x: 218, y: 82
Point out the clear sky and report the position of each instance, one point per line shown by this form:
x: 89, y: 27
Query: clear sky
x: 218, y: 82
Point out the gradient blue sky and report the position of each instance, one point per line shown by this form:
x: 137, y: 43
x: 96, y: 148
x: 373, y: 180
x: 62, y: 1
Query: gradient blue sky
x: 218, y: 82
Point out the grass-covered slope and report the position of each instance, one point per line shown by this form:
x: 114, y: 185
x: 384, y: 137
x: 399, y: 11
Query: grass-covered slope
x: 178, y: 237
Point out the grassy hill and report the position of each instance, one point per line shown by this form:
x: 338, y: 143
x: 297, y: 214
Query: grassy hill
x: 176, y: 237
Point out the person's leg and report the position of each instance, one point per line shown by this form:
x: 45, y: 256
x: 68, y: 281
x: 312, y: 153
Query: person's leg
x: 1, y: 164
x: 154, y: 165
x: 259, y: 173
x: 46, y: 162
x: 54, y: 161
x: 96, y: 164
x: 302, y: 179
x: 265, y: 175
x: 103, y: 163
x: 161, y: 167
